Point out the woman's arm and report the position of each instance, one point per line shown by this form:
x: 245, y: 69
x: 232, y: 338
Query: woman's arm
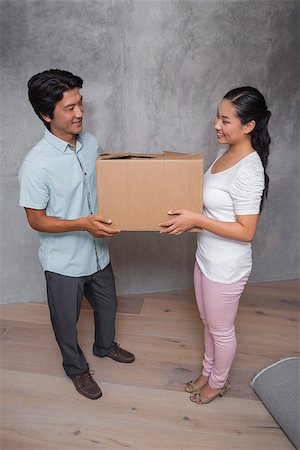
x: 93, y: 224
x: 182, y: 220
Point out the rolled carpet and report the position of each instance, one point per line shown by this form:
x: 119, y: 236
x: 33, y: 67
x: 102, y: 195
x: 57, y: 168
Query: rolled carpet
x: 278, y: 387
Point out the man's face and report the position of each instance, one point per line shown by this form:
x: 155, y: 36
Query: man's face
x: 67, y: 116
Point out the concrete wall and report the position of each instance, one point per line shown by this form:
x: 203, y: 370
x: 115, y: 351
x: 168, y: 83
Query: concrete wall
x: 154, y: 72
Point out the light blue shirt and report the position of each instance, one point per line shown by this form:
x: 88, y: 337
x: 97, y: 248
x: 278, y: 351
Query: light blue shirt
x: 62, y: 180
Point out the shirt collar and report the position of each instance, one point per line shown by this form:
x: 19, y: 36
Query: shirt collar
x: 59, y: 143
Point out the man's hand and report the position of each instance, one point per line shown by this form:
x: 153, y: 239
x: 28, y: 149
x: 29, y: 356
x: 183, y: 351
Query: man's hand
x: 181, y: 221
x: 97, y: 226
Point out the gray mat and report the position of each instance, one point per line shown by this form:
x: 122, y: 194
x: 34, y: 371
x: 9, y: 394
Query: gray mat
x: 278, y: 387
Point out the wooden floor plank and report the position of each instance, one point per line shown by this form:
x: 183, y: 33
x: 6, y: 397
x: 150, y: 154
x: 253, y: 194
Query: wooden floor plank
x: 277, y: 289
x: 169, y: 309
x: 126, y: 304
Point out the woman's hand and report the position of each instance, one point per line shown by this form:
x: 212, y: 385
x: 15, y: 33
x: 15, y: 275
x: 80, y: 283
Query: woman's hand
x: 181, y: 221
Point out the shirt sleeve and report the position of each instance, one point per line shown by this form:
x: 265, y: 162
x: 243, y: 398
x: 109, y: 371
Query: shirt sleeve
x: 100, y: 150
x: 34, y: 192
x: 247, y: 189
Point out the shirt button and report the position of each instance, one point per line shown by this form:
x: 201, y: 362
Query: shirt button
x: 84, y: 173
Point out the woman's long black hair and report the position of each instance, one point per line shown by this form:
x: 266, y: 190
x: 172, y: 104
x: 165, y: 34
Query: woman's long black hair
x: 251, y: 105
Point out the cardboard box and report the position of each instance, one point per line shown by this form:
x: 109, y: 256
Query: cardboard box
x: 136, y: 191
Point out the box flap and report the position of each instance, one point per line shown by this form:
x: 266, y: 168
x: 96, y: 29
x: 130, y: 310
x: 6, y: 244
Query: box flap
x: 165, y: 155
x: 171, y: 153
x: 176, y: 155
x: 129, y: 155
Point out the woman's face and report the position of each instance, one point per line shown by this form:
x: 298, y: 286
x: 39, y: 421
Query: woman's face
x: 228, y: 125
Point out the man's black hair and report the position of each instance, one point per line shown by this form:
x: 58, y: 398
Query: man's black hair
x: 46, y: 89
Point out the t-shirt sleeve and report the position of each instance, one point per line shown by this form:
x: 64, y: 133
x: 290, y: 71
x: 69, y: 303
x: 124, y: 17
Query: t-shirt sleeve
x: 34, y: 192
x: 247, y: 189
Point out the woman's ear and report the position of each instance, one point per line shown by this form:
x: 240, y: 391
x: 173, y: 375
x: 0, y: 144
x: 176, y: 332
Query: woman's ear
x: 249, y: 126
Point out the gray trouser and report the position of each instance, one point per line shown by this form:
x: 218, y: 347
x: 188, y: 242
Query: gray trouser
x: 65, y: 296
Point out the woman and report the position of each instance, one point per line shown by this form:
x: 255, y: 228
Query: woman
x: 234, y: 188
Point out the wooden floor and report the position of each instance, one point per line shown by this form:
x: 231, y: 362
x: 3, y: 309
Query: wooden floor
x: 144, y: 406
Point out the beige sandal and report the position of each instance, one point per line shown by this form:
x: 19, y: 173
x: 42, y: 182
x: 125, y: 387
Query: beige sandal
x: 192, y: 387
x: 196, y: 396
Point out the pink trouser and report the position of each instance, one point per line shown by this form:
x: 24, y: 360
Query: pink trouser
x: 218, y: 304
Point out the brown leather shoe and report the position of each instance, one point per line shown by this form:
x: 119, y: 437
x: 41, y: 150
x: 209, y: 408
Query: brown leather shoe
x: 121, y: 355
x: 86, y: 385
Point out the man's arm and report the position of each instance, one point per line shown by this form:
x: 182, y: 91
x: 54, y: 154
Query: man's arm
x: 93, y: 224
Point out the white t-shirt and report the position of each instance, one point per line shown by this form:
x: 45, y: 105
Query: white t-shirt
x: 234, y: 191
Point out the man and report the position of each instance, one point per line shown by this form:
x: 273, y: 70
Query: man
x: 58, y: 192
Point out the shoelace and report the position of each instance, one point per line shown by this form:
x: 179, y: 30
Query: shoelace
x: 86, y: 377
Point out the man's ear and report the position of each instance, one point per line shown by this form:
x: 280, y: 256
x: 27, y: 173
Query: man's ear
x: 46, y: 118
x: 249, y: 126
